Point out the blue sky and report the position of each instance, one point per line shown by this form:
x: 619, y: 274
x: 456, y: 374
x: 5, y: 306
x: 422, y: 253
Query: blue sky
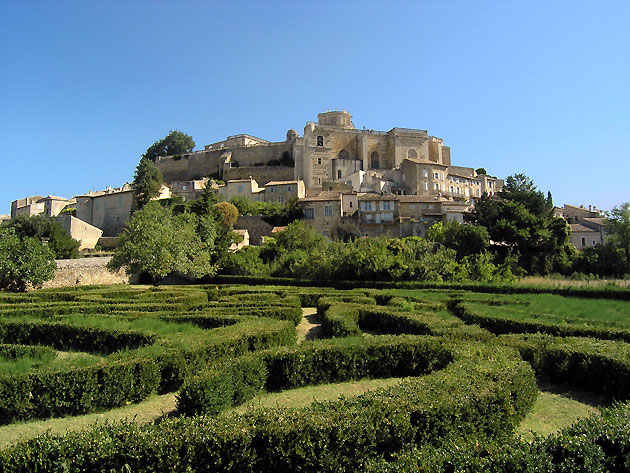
x: 541, y: 88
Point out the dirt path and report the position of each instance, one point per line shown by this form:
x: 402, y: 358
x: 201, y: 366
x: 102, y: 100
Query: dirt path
x: 310, y: 328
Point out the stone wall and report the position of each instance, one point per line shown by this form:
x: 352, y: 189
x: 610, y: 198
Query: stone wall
x: 86, y: 271
x: 209, y: 163
x: 262, y: 174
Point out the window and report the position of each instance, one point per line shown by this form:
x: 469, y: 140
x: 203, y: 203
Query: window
x: 319, y: 180
x: 350, y: 204
x: 425, y: 172
x: 326, y: 233
x: 120, y: 201
x: 328, y: 211
x: 367, y: 205
x: 374, y: 159
x: 319, y: 160
x: 368, y: 218
x: 450, y: 189
x: 339, y: 174
x: 183, y: 188
x: 583, y: 241
x: 378, y: 218
x: 436, y: 175
x: 281, y: 199
x: 387, y: 217
x: 426, y: 186
x: 437, y: 186
x: 289, y: 188
x: 343, y: 154
x: 387, y: 205
x: 320, y: 141
x: 412, y: 153
x: 240, y: 189
x: 309, y: 214
x: 271, y: 189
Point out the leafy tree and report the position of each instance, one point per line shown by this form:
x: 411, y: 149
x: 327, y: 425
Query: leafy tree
x: 521, y: 221
x: 227, y: 213
x: 205, y: 204
x: 466, y: 240
x: 157, y: 243
x: 618, y: 227
x: 23, y: 261
x: 147, y: 181
x: 175, y: 143
x: 481, y: 171
x: 603, y: 260
x: 59, y: 241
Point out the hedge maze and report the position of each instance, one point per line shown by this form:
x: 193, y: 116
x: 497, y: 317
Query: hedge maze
x: 469, y: 360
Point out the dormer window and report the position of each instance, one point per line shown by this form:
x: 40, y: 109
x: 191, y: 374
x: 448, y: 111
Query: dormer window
x: 320, y: 141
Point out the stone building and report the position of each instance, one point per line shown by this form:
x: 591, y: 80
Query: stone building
x: 333, y: 151
x: 283, y: 191
x: 49, y: 206
x: 108, y: 210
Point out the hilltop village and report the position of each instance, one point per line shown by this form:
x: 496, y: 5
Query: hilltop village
x: 347, y: 182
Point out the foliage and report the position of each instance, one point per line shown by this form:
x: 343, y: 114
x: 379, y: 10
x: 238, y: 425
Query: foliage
x: 481, y: 171
x: 59, y: 241
x: 273, y: 213
x: 603, y: 260
x: 69, y: 211
x: 23, y: 261
x: 521, y: 221
x: 147, y: 181
x: 227, y: 213
x: 466, y: 240
x: 175, y: 143
x: 618, y: 226
x: 157, y: 243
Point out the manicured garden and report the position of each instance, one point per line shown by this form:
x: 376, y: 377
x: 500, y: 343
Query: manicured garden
x: 433, y: 377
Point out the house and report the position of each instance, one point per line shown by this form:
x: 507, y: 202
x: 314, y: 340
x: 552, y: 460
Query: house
x: 86, y: 234
x: 108, y: 210
x: 283, y: 191
x: 191, y: 189
x: 49, y: 206
x: 246, y: 188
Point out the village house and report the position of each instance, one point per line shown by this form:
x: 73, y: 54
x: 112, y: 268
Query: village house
x: 108, y: 210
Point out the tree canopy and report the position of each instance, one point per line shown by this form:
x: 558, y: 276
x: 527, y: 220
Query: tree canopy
x: 147, y: 181
x: 62, y: 245
x: 175, y: 143
x: 520, y: 221
x: 618, y: 226
x: 23, y: 260
x: 157, y: 243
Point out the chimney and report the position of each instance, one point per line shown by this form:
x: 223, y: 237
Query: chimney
x: 590, y: 207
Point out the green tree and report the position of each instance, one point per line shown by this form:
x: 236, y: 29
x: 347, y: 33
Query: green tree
x: 520, y: 221
x: 157, y: 243
x: 23, y: 261
x: 226, y: 213
x: 618, y: 227
x: 175, y: 143
x: 59, y: 241
x: 466, y: 240
x: 147, y: 181
x: 481, y: 171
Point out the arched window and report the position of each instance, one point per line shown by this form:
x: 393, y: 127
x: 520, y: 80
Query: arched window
x: 374, y: 160
x: 339, y: 174
x: 320, y: 141
x: 343, y: 154
x: 412, y: 153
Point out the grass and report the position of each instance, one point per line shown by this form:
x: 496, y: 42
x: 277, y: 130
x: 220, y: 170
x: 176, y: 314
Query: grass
x: 558, y: 407
x: 151, y: 409
x: 303, y: 397
x: 310, y: 326
x: 59, y: 360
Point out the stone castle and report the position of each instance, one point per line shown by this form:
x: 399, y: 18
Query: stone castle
x: 333, y: 154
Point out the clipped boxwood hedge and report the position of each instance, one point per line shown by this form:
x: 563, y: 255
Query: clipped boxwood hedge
x: 483, y: 391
